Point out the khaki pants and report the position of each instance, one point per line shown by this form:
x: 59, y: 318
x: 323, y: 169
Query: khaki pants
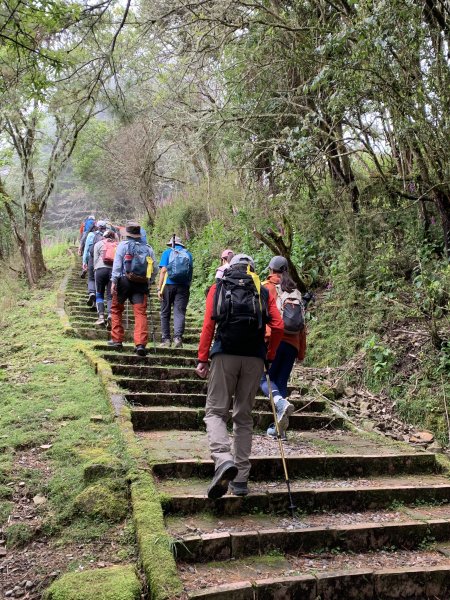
x: 237, y: 376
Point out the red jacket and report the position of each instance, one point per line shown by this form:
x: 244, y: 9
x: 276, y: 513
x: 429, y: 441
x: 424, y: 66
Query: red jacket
x: 209, y: 325
x: 298, y: 340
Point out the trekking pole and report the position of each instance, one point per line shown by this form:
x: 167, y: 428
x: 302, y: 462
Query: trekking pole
x: 292, y: 506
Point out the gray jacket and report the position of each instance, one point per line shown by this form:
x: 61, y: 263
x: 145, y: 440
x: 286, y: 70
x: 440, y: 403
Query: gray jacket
x: 98, y: 256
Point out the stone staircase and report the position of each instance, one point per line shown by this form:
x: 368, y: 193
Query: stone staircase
x: 372, y: 518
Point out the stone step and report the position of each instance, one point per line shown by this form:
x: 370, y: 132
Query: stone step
x: 191, y: 334
x: 188, y: 350
x: 268, y: 467
x: 145, y: 418
x: 100, y: 333
x: 146, y: 371
x: 180, y: 386
x: 87, y: 315
x: 262, y: 579
x: 262, y: 535
x: 183, y: 385
x: 198, y: 401
x: 189, y: 497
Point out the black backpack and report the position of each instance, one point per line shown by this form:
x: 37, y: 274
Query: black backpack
x: 240, y: 312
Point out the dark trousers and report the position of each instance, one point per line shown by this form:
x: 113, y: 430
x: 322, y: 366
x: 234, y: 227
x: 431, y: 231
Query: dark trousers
x: 91, y: 276
x: 102, y: 284
x: 280, y: 370
x: 176, y: 295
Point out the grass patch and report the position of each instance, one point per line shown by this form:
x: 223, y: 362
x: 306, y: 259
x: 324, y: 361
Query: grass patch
x: 49, y: 392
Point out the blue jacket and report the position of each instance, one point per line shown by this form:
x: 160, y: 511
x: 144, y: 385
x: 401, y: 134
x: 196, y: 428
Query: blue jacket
x: 165, y: 261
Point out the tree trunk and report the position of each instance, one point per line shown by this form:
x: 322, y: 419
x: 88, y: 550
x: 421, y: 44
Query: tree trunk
x: 443, y: 206
x: 36, y: 254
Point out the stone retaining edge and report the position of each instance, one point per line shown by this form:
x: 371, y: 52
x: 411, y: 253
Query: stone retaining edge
x: 420, y: 582
x: 154, y: 543
x: 359, y: 537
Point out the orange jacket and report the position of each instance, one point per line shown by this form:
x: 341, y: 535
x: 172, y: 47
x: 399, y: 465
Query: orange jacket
x: 298, y: 340
x: 209, y: 325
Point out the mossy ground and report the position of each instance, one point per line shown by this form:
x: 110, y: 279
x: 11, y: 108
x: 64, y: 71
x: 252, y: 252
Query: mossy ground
x: 114, y: 583
x: 49, y: 392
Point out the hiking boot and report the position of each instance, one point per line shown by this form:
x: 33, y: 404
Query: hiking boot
x: 109, y: 323
x: 165, y: 344
x: 115, y: 345
x: 140, y: 350
x: 284, y: 411
x: 238, y: 488
x: 100, y: 320
x: 272, y: 432
x: 222, y: 477
x: 91, y: 300
x: 177, y: 343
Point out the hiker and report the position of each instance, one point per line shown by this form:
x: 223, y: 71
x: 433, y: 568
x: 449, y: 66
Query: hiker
x: 85, y: 228
x: 175, y: 276
x: 88, y: 259
x: 225, y: 258
x: 132, y: 271
x: 104, y: 253
x: 293, y: 345
x: 241, y: 308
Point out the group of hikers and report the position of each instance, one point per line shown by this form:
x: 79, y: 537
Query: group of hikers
x: 123, y: 269
x: 253, y: 332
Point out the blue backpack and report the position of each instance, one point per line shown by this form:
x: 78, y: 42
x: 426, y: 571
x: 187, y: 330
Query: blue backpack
x: 179, y: 268
x: 136, y: 270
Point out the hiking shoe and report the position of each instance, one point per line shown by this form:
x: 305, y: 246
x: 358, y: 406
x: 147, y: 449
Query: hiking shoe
x: 116, y: 345
x: 91, y: 300
x: 284, y: 411
x: 109, y: 323
x: 165, y: 344
x: 100, y: 320
x: 177, y: 343
x: 140, y: 350
x: 272, y: 432
x: 222, y: 477
x: 238, y: 488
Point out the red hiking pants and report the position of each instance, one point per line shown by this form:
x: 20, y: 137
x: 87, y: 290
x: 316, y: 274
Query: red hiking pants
x: 140, y: 320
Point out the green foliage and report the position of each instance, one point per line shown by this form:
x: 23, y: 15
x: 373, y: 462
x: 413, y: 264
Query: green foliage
x: 381, y: 358
x: 19, y: 535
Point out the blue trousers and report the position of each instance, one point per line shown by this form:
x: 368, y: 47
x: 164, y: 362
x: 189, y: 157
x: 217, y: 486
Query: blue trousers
x: 280, y: 370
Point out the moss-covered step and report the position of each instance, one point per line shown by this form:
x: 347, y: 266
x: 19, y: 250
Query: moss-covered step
x: 359, y: 537
x: 410, y: 582
x: 189, y: 497
x: 145, y: 418
x: 188, y: 350
x: 152, y: 359
x: 112, y: 583
x: 198, y: 401
x: 339, y: 465
x: 177, y: 386
x: 151, y: 371
x: 86, y: 332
